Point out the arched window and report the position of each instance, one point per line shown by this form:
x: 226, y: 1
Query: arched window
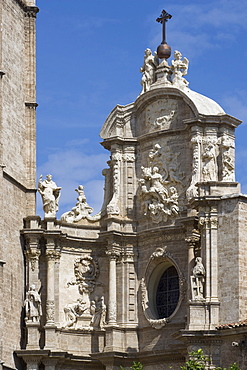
x: 167, y: 294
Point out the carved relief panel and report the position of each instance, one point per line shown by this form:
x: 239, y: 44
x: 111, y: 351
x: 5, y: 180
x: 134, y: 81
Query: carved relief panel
x: 163, y: 114
x: 213, y: 158
x: 82, y: 297
x: 161, y: 183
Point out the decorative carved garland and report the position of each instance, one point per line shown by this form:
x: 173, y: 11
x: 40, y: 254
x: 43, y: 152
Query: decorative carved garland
x: 86, y: 270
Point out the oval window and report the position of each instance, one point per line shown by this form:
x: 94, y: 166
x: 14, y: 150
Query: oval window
x: 167, y: 294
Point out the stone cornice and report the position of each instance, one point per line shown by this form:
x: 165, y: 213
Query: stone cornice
x: 17, y: 183
x: 31, y: 10
x: 31, y: 104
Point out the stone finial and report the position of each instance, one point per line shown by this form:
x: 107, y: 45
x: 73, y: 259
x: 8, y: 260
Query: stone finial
x: 163, y: 50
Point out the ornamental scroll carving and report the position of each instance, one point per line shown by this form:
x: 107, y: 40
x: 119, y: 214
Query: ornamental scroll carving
x: 86, y: 272
x: 115, y: 164
x: 50, y: 311
x: 81, y: 210
x: 159, y: 185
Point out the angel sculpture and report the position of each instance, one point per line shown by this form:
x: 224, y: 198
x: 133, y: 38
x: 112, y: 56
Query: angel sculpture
x: 179, y: 68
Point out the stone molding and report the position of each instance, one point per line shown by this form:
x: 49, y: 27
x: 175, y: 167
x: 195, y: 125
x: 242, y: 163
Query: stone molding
x: 158, y: 256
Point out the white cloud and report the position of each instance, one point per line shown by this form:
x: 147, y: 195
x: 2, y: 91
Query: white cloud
x: 71, y: 168
x: 235, y: 104
x: 196, y: 28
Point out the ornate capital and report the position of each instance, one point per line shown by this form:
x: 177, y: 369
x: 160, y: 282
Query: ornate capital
x: 214, y: 222
x: 129, y: 157
x: 52, y: 255
x: 192, y: 240
x: 209, y: 222
x: 31, y: 11
x: 32, y: 255
x: 113, y: 254
x: 128, y: 256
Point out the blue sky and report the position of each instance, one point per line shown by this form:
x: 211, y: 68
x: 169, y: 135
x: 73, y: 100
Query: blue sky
x: 88, y: 58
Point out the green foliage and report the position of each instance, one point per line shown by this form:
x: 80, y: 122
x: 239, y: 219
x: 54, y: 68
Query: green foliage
x: 137, y: 366
x: 232, y: 367
x: 197, y: 361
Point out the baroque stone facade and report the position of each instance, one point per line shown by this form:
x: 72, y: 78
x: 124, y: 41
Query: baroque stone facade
x: 159, y: 271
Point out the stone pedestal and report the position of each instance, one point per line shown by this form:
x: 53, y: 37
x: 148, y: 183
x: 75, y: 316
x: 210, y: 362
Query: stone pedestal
x: 202, y: 315
x: 83, y: 322
x: 33, y: 335
x: 50, y: 337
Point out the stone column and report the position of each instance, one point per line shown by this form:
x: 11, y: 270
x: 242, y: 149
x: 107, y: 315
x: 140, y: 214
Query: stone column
x: 32, y: 362
x: 30, y: 101
x: 116, y: 158
x: 196, y: 142
x: 205, y: 224
x: 214, y: 254
x: 32, y: 255
x: 52, y: 255
x: 129, y: 180
x: 112, y: 304
x: 50, y: 364
x: 32, y: 365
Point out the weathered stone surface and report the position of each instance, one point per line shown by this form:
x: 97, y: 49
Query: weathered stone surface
x: 161, y: 268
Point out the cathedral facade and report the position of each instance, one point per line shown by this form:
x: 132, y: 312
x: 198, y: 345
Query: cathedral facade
x: 160, y: 270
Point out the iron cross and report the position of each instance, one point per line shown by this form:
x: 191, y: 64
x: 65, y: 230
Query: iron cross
x: 163, y: 18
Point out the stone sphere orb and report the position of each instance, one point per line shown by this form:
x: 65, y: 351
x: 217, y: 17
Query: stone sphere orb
x: 164, y: 51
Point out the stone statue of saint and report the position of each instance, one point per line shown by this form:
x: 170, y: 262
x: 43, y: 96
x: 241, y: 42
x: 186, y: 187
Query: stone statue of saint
x: 210, y: 169
x: 50, y: 194
x: 197, y: 280
x: 180, y: 69
x: 33, y: 307
x: 148, y: 70
x: 98, y: 310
